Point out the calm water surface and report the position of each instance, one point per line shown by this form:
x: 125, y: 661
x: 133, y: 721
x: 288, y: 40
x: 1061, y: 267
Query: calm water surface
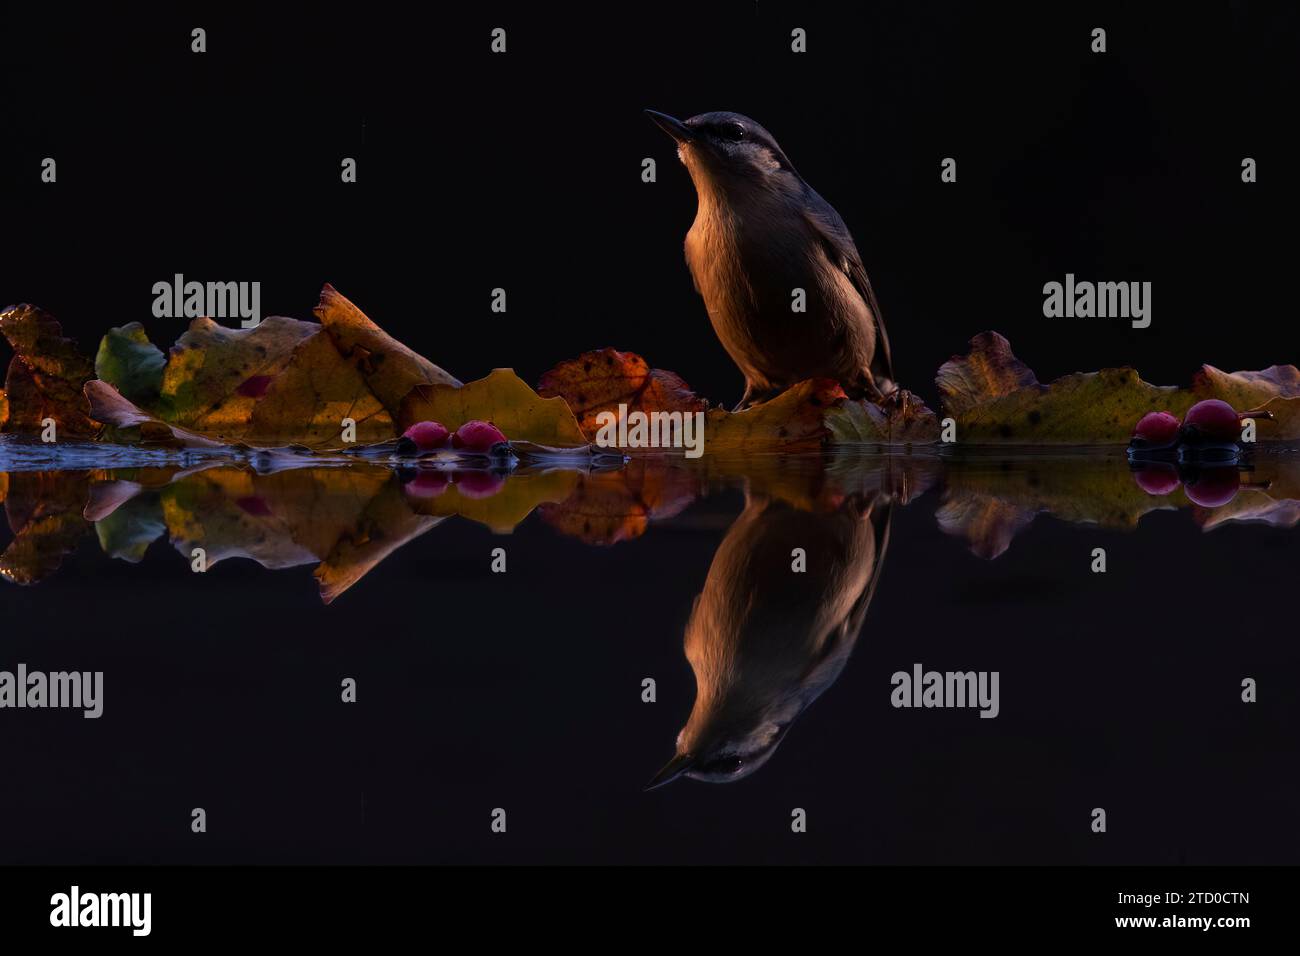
x: 523, y: 690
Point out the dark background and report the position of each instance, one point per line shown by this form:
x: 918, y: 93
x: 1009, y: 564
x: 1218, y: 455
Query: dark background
x: 523, y: 171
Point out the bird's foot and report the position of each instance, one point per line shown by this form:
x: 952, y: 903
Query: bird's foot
x: 756, y: 396
x: 893, y: 399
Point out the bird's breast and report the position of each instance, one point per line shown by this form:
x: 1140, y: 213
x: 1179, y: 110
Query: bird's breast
x: 748, y: 263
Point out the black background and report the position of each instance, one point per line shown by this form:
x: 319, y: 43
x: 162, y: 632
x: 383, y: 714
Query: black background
x: 523, y: 171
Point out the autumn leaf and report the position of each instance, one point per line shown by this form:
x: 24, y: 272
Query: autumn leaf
x: 45, y: 375
x: 309, y: 399
x: 283, y: 519
x: 282, y: 382
x: 988, y: 525
x: 132, y: 364
x: 4, y: 409
x: 805, y: 417
x: 794, y: 420
x: 902, y: 419
x: 44, y: 514
x: 39, y: 549
x: 215, y: 375
x: 389, y: 368
x: 988, y: 505
x: 1275, y: 390
x: 1270, y: 495
x: 347, y: 519
x: 127, y: 530
x: 612, y: 506
x: 607, y: 507
x: 602, y: 380
x: 1247, y: 390
x: 502, y: 509
x: 501, y: 398
x: 385, y: 524
x: 995, y: 398
x: 1250, y: 506
x: 132, y: 424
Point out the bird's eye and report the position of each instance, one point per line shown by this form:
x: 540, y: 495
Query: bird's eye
x: 733, y: 131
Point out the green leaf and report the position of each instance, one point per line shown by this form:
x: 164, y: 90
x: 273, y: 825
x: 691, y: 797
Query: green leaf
x: 131, y: 363
x: 127, y: 531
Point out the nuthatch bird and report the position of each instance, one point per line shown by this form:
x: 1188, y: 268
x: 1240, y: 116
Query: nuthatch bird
x: 765, y: 640
x: 761, y: 235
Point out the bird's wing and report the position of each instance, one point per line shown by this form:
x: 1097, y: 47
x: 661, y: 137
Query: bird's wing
x: 880, y: 527
x: 846, y: 633
x: 840, y: 249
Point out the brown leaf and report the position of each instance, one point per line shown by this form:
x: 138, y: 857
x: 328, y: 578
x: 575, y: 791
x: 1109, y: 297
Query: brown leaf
x: 45, y: 376
x: 607, y: 507
x: 989, y: 372
x: 44, y: 513
x: 805, y: 417
x: 38, y: 550
x: 1247, y: 390
x: 389, y: 367
x: 602, y: 380
x: 1275, y: 389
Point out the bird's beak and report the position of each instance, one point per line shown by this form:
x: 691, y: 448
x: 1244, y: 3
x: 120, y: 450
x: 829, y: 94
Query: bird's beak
x: 673, y: 769
x: 673, y: 127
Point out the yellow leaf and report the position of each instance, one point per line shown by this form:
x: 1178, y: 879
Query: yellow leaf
x: 214, y: 374
x: 501, y: 398
x: 308, y: 401
x: 519, y: 495
x: 994, y: 398
x: 389, y: 367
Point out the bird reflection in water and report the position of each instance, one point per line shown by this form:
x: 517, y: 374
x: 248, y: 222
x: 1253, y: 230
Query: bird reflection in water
x: 766, y: 640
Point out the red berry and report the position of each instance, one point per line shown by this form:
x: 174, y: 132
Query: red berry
x: 1212, y: 487
x: 1157, y: 428
x: 477, y: 436
x: 479, y: 484
x: 1157, y: 479
x: 427, y: 484
x: 1213, y: 421
x: 427, y: 435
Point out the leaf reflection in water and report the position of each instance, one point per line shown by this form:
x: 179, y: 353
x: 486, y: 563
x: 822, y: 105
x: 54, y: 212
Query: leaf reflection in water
x: 346, y: 516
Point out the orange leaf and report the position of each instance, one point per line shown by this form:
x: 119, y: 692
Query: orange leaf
x: 602, y: 380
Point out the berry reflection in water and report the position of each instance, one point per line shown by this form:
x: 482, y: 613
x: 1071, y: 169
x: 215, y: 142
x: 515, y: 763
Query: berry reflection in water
x: 1203, y: 453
